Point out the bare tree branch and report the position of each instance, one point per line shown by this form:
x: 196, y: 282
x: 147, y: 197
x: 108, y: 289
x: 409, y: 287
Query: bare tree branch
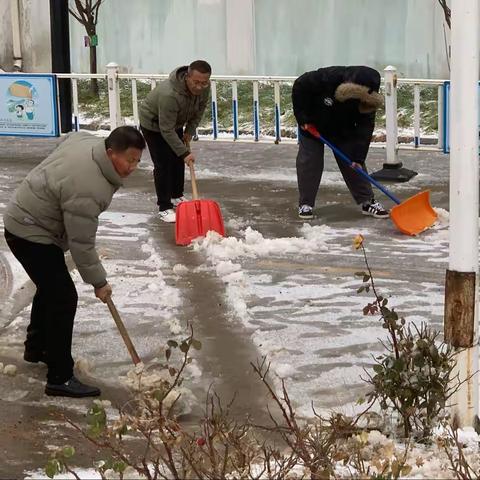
x: 446, y: 11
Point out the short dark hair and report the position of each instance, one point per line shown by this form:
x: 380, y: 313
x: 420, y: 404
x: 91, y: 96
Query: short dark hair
x: 200, y: 66
x: 122, y: 138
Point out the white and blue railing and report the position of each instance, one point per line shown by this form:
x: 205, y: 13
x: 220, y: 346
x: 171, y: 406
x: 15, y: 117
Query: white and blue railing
x: 113, y: 76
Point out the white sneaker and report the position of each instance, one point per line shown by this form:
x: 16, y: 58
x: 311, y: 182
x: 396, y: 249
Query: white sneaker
x: 305, y: 212
x: 167, y: 216
x: 177, y: 201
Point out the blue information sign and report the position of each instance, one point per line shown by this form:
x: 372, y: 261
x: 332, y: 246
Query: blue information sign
x: 28, y: 105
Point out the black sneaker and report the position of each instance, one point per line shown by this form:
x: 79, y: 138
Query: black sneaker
x: 375, y: 209
x: 72, y: 388
x: 305, y: 212
x: 34, y: 356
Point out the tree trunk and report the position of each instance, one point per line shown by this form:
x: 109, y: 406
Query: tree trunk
x: 93, y: 66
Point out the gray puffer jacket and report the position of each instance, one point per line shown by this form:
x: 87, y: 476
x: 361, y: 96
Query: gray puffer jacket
x: 60, y: 200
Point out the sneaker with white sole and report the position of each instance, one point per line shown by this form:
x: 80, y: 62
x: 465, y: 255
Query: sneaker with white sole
x: 177, y: 201
x: 375, y: 209
x: 167, y: 216
x: 305, y: 212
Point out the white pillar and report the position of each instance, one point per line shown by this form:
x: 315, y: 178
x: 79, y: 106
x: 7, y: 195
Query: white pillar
x: 113, y: 95
x: 17, y: 45
x: 462, y: 309
x: 390, y: 78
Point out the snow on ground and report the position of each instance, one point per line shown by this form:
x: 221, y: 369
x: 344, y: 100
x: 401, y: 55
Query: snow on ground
x: 310, y: 325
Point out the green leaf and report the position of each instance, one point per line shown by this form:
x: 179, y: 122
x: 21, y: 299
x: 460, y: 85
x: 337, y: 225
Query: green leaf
x: 119, y: 466
x: 52, y: 468
x: 172, y: 344
x: 361, y: 289
x: 68, y: 451
x: 184, y: 347
x: 159, y: 395
x: 366, y: 278
x: 172, y: 371
x: 360, y: 274
x: 168, y: 354
x: 377, y: 368
x: 97, y: 419
x: 196, y: 344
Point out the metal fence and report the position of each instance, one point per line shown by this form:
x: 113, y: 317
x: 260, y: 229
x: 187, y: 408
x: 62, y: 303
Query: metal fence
x: 390, y: 87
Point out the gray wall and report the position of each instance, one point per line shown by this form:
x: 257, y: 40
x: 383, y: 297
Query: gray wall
x: 275, y: 37
x: 35, y: 35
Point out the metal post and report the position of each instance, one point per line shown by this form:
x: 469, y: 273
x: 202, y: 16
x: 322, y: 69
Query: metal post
x: 416, y: 114
x: 213, y: 90
x: 392, y: 170
x: 113, y: 95
x: 440, y: 113
x: 153, y: 83
x: 235, y: 109
x: 461, y: 307
x: 76, y: 120
x: 60, y: 48
x: 278, y: 133
x: 256, y: 118
x: 136, y: 118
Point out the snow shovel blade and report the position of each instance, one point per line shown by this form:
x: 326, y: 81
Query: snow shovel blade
x: 195, y: 219
x: 414, y: 215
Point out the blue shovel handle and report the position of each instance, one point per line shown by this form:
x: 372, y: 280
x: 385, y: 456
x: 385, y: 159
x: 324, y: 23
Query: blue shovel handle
x: 313, y: 131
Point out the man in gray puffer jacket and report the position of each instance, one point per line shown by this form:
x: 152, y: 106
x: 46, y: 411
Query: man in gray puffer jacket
x: 174, y: 104
x: 55, y: 209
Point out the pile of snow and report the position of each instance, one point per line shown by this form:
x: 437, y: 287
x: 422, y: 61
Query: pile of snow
x: 256, y: 245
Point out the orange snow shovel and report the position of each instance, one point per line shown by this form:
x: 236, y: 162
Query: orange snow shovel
x: 197, y: 217
x: 412, y: 216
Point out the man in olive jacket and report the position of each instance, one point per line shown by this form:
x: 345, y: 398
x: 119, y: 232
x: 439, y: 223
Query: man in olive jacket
x: 169, y: 117
x: 55, y: 209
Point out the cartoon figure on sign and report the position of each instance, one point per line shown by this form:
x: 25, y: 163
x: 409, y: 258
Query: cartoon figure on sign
x: 22, y: 98
x: 29, y: 109
x: 19, y: 111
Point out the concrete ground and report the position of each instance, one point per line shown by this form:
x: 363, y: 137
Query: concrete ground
x: 289, y: 293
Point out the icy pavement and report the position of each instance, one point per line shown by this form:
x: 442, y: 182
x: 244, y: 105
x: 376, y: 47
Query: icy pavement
x: 275, y: 286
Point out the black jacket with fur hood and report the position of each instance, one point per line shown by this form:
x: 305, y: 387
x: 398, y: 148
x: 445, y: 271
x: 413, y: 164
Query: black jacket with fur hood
x: 330, y: 99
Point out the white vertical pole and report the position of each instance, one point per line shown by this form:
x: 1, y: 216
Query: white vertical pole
x: 213, y: 90
x: 153, y: 83
x: 276, y: 91
x: 462, y: 308
x: 76, y: 122
x: 440, y: 114
x: 391, y: 114
x: 256, y: 116
x: 416, y: 114
x: 136, y: 119
x: 235, y: 109
x: 113, y: 95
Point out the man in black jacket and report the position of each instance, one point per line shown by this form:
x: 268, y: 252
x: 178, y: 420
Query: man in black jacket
x: 341, y: 103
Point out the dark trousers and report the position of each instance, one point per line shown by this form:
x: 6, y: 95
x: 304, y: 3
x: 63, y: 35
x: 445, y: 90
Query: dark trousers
x: 168, y: 168
x: 310, y: 164
x: 54, y: 305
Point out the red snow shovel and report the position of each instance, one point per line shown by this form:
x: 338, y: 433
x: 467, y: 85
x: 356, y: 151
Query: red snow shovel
x: 197, y: 217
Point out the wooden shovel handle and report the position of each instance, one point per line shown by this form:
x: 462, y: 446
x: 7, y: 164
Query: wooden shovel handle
x: 193, y: 177
x: 123, y: 331
x: 194, y: 181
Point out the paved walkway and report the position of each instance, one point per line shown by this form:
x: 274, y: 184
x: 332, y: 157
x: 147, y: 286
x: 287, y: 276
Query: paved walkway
x: 275, y: 287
